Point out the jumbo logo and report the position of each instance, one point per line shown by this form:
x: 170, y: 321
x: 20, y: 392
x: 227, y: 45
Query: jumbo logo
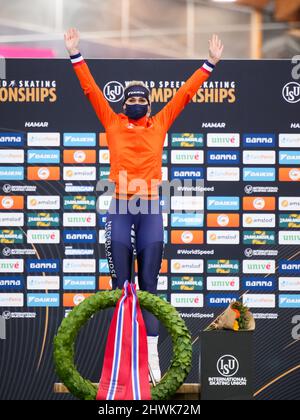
x: 289, y: 220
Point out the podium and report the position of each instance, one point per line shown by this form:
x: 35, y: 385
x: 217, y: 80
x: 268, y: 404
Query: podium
x: 226, y: 365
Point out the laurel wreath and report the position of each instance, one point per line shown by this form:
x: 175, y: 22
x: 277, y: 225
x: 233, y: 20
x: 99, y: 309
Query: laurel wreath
x: 64, y: 343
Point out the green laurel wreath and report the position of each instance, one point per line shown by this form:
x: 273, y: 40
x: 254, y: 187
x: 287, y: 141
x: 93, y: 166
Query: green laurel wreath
x: 64, y: 343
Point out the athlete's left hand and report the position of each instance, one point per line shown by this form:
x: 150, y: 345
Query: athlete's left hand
x: 215, y: 49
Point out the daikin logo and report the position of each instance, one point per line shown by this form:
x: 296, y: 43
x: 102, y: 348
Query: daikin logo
x: 187, y: 220
x: 286, y: 157
x: 79, y: 282
x: 43, y: 300
x: 259, y: 174
x: 223, y: 203
x: 289, y: 301
x: 80, y: 139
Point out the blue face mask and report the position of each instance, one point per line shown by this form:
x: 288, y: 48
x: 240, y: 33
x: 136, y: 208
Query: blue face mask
x: 136, y: 111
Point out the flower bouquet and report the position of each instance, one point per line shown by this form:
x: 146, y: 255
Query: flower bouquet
x: 236, y: 317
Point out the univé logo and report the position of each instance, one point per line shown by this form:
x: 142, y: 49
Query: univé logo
x: 291, y: 92
x: 113, y: 91
x: 227, y: 365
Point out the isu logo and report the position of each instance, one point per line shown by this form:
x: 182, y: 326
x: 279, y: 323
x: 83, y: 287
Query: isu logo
x: 227, y: 365
x: 113, y: 91
x: 291, y: 92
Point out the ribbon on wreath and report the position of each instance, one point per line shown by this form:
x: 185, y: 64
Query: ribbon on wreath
x: 125, y: 367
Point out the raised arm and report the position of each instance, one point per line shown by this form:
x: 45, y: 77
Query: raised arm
x: 87, y: 82
x: 186, y: 92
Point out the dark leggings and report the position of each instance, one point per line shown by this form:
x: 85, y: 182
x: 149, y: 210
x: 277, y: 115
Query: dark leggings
x: 125, y: 232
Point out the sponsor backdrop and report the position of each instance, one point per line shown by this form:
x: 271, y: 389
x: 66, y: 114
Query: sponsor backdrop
x: 240, y: 136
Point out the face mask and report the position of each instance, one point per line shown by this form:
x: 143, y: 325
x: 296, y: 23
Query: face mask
x: 136, y: 111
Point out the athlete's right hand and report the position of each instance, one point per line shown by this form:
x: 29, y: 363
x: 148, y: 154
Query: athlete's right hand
x: 72, y: 41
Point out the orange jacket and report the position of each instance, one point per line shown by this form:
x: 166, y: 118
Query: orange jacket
x: 136, y: 146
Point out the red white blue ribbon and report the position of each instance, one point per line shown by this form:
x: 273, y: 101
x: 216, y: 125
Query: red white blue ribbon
x: 125, y: 368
